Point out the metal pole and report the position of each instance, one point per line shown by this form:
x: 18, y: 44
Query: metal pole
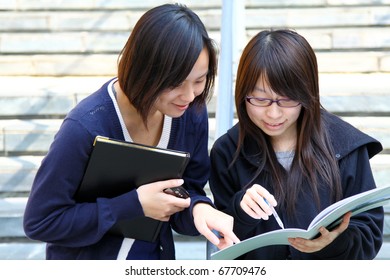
x: 232, y: 32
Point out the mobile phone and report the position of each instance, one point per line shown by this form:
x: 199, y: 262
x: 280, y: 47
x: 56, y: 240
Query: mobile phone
x: 180, y: 192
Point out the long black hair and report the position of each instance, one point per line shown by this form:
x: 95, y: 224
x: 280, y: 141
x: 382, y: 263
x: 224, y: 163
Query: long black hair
x: 288, y: 63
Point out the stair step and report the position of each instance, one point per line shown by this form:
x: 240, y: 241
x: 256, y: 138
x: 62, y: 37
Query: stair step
x: 189, y: 250
x: 111, y: 42
x: 22, y: 251
x: 58, y: 105
x: 59, y: 65
x: 35, y: 136
x: 27, y: 136
x: 105, y: 64
x: 17, y: 174
x: 92, y: 5
x: 124, y: 19
x: 89, y: 5
x: 381, y: 169
x: 384, y: 252
x: 43, y: 86
x: 330, y: 84
x: 43, y: 97
x: 301, y: 17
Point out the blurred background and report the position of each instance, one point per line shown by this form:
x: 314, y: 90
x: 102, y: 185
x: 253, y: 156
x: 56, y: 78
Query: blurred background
x: 53, y: 53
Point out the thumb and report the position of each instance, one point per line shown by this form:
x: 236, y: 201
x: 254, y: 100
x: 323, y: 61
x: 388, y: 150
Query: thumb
x: 162, y: 185
x: 171, y: 183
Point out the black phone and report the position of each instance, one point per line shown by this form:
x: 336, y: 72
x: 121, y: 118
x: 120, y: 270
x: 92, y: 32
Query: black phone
x: 178, y: 192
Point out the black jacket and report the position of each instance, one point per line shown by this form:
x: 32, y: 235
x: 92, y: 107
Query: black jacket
x: 353, y: 149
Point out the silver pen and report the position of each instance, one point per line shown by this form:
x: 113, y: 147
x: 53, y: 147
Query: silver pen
x: 277, y: 218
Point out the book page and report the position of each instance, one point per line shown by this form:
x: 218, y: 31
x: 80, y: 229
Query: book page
x: 338, y: 209
x: 331, y: 216
x: 279, y: 237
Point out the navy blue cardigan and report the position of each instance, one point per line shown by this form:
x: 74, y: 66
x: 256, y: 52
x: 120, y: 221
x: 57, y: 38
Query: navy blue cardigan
x: 79, y: 230
x: 362, y: 239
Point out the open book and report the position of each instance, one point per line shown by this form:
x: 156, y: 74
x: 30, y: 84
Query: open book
x: 330, y: 217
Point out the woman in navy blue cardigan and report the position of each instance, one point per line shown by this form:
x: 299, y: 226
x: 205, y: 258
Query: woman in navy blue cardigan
x: 288, y: 150
x: 166, y: 73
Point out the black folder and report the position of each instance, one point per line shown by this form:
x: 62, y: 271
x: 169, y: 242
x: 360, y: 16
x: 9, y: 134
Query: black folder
x: 116, y: 167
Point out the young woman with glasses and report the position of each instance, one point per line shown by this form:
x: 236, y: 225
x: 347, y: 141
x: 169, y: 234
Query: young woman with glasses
x: 288, y: 150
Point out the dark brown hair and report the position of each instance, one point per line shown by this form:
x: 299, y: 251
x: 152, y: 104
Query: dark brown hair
x: 161, y: 52
x: 289, y: 64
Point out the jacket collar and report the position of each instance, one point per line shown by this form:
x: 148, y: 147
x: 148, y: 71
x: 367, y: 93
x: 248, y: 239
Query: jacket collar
x: 346, y: 138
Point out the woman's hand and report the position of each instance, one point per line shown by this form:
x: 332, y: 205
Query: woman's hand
x: 253, y: 202
x: 158, y: 205
x: 207, y: 218
x: 326, y: 237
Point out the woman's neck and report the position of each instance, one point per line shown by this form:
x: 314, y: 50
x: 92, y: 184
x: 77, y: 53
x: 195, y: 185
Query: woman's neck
x: 284, y: 144
x: 148, y: 133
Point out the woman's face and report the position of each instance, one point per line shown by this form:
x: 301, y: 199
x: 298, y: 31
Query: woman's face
x: 279, y: 123
x: 174, y: 102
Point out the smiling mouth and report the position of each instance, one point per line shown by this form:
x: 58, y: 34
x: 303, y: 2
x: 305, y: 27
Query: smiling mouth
x: 275, y: 125
x: 182, y: 107
x: 270, y: 124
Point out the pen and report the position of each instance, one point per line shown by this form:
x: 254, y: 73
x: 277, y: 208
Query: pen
x: 280, y: 223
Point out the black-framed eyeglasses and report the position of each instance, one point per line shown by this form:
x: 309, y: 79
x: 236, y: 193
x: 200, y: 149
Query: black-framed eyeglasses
x: 265, y: 102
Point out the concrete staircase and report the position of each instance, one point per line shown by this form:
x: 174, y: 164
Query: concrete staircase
x: 55, y: 54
